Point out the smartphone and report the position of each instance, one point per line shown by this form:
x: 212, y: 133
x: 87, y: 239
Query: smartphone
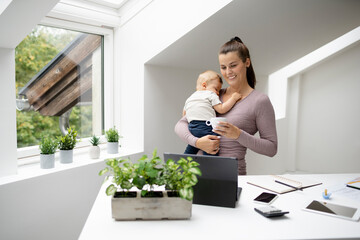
x: 335, y: 210
x: 266, y: 198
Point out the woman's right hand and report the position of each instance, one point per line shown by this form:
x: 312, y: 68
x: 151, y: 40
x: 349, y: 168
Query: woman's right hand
x: 209, y: 144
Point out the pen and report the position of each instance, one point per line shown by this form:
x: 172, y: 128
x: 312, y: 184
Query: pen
x: 288, y: 185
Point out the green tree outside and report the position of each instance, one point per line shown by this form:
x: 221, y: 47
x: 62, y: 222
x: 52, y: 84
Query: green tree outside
x: 31, y: 55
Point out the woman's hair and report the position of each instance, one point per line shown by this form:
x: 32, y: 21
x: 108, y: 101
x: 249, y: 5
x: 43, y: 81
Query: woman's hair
x: 236, y: 45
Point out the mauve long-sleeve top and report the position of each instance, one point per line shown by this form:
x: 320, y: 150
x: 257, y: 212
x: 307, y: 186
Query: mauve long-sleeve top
x: 252, y: 114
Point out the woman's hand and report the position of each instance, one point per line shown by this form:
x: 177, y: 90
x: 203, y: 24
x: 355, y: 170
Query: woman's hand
x: 227, y: 130
x: 209, y: 144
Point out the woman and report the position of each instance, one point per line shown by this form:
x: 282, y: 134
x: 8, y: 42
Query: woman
x: 253, y: 113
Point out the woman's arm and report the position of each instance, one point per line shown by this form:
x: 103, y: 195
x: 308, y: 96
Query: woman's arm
x: 182, y: 130
x: 266, y: 125
x: 209, y: 143
x: 265, y: 122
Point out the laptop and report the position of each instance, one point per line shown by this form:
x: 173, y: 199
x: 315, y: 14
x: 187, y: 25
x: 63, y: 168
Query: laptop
x: 218, y: 185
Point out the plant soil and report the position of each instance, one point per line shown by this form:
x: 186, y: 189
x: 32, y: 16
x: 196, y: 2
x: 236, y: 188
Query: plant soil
x: 155, y: 194
x: 125, y: 195
x: 173, y: 194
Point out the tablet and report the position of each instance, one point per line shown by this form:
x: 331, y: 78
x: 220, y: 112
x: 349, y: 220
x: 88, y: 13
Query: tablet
x: 335, y: 210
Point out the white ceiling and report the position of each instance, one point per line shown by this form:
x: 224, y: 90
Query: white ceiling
x: 277, y: 32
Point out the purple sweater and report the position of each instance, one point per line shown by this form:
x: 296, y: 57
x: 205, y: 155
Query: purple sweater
x: 252, y: 114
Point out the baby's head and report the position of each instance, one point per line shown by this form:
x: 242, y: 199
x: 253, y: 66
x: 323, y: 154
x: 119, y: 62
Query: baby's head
x: 209, y: 80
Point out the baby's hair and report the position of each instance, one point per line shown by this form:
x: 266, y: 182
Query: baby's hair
x: 205, y: 77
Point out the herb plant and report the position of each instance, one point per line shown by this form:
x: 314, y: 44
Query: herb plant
x: 68, y: 141
x: 122, y: 172
x: 94, y: 140
x: 47, y: 146
x: 112, y: 135
x: 181, y: 176
x: 147, y: 173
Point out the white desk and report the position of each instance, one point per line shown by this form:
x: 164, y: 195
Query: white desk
x: 241, y: 222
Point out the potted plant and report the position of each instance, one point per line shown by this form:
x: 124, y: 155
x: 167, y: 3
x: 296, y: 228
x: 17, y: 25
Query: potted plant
x: 47, y: 148
x: 66, y: 145
x: 94, y: 151
x: 112, y: 137
x: 137, y: 189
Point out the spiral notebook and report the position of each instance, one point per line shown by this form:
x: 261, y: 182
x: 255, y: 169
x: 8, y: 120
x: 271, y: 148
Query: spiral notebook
x: 269, y: 183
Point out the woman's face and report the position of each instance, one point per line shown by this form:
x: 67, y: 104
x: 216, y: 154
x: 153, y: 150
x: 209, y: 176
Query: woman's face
x: 233, y: 68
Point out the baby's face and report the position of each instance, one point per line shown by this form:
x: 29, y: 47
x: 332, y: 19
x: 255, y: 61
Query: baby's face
x: 214, y: 86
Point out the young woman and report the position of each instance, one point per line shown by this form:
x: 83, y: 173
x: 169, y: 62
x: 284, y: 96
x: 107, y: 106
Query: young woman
x: 253, y: 113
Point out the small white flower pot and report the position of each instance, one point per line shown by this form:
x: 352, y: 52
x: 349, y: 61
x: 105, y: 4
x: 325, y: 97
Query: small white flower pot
x: 47, y: 161
x: 112, y: 147
x: 94, y: 152
x: 66, y: 156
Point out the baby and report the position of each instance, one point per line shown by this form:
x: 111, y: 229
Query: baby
x: 203, y: 103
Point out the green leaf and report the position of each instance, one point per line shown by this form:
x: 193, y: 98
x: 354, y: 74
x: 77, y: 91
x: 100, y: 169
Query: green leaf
x: 154, y: 153
x: 190, y: 194
x: 194, y: 179
x: 152, y: 173
x: 111, y: 190
x: 183, y: 193
x: 195, y: 170
x: 102, y: 172
x: 139, y: 182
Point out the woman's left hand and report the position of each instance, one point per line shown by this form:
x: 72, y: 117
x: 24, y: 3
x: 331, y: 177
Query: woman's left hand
x: 228, y: 130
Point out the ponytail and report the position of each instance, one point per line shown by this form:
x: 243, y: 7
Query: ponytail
x: 237, y: 45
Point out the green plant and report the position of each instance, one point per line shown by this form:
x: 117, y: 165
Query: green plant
x: 47, y: 146
x: 68, y: 141
x: 122, y: 173
x: 112, y: 135
x: 181, y: 176
x: 94, y: 140
x: 147, y: 173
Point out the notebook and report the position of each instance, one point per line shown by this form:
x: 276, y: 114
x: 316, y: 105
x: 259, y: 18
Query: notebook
x: 268, y: 182
x: 355, y: 183
x: 218, y: 184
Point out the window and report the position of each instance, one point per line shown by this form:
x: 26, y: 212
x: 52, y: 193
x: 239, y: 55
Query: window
x: 59, y: 79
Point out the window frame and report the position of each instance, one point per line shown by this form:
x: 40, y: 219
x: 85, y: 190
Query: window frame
x: 24, y: 154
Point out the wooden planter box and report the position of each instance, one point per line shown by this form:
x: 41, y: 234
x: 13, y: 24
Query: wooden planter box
x: 150, y: 208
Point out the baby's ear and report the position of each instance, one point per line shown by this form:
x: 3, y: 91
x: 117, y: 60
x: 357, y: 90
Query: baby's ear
x: 203, y: 85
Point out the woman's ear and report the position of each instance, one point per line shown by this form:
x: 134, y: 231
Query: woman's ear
x: 247, y: 62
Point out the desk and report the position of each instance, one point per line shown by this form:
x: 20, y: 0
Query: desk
x: 242, y: 222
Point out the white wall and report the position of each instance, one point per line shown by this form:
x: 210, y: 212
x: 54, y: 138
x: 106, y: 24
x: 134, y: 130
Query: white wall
x: 329, y: 115
x: 53, y: 206
x: 139, y: 40
x: 8, y: 144
x: 166, y: 90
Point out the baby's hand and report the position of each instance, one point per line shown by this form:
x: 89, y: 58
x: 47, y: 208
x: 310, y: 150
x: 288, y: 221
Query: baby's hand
x: 237, y: 96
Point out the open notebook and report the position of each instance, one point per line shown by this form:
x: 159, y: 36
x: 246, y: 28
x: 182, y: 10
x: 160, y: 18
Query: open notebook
x: 268, y: 182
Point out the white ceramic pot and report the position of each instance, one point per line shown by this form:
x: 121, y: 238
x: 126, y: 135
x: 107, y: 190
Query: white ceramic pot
x: 112, y: 147
x: 94, y: 152
x: 66, y: 156
x: 47, y: 161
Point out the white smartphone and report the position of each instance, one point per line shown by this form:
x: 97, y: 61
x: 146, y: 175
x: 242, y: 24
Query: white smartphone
x: 335, y: 210
x: 265, y: 198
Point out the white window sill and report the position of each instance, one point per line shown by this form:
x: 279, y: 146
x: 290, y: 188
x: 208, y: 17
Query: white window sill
x: 81, y: 158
